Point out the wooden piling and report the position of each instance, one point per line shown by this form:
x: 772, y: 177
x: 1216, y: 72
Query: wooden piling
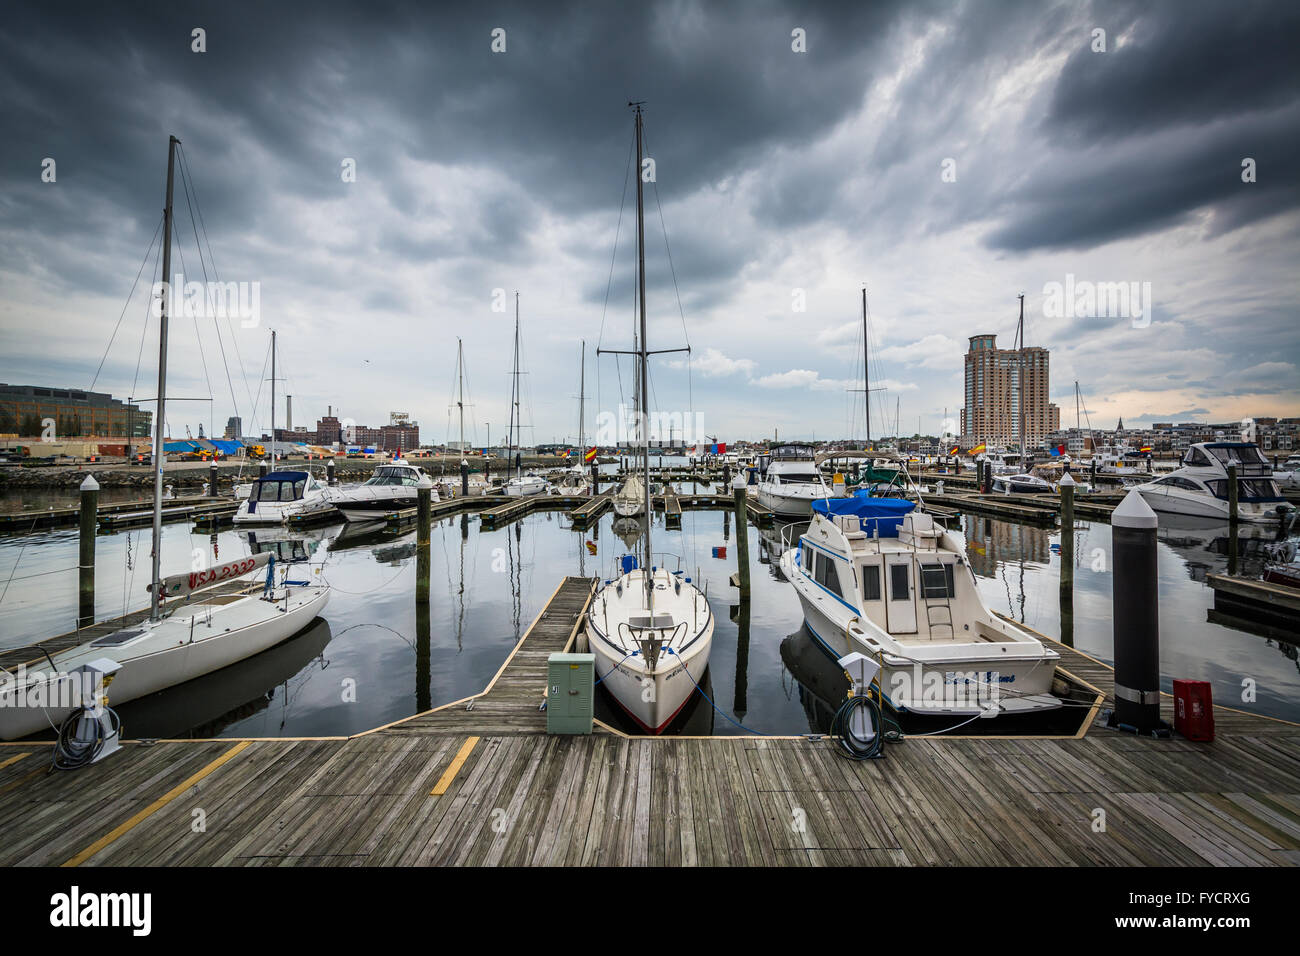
x: 1067, y: 559
x: 86, y: 552
x: 422, y: 565
x: 742, y: 542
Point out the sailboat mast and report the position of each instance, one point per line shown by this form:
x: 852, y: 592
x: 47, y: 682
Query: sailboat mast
x: 159, y: 447
x: 1020, y: 361
x: 866, y: 372
x: 643, y: 358
x: 273, y: 398
x: 460, y: 380
x: 514, y: 395
x: 582, y: 406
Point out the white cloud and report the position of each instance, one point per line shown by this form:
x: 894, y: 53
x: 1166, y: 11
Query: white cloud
x: 714, y: 364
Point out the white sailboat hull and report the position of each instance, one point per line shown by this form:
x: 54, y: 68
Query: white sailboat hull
x: 175, y: 650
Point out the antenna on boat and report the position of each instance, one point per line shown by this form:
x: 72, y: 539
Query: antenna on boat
x: 159, y: 448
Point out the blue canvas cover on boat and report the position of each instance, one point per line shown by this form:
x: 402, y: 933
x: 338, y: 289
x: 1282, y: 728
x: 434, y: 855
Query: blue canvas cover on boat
x: 878, y: 516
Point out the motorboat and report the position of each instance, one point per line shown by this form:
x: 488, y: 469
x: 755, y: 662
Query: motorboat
x: 1020, y: 485
x: 791, y: 482
x: 1002, y: 462
x: 284, y: 494
x: 1200, y: 486
x: 877, y: 577
x: 524, y: 486
x: 630, y: 498
x: 391, y: 488
x: 649, y: 629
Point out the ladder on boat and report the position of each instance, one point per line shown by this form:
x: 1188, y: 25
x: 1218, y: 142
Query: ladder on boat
x: 934, y: 583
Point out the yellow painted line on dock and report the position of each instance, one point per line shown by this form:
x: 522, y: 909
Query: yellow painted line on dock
x: 15, y: 784
x: 450, y: 774
x: 5, y: 763
x: 157, y: 805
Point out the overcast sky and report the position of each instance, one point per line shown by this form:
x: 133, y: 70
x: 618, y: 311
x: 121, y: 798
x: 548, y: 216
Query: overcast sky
x: 782, y: 175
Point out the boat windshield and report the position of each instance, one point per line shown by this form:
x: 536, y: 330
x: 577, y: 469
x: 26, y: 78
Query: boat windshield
x: 278, y: 490
x: 394, y: 476
x: 811, y: 477
x: 1243, y: 454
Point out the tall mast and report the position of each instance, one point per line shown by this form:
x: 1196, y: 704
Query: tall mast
x: 643, y: 358
x: 866, y: 373
x: 460, y: 379
x: 159, y: 447
x: 514, y: 394
x: 582, y: 406
x: 1020, y: 362
x: 273, y: 398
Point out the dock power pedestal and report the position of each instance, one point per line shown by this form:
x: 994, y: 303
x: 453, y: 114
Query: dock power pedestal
x: 570, y: 693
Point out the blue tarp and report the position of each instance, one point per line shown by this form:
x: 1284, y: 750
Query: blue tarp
x: 880, y: 516
x: 226, y: 447
x: 180, y: 446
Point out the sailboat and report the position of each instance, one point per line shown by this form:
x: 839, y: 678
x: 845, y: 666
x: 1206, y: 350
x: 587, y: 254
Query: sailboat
x: 521, y: 485
x: 175, y: 644
x: 649, y: 628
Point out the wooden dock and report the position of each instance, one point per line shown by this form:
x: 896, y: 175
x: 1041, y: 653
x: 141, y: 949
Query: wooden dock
x: 478, y: 782
x: 174, y: 509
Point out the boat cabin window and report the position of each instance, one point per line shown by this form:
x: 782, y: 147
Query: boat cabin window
x: 808, y: 560
x: 1185, y: 483
x: 898, y: 589
x: 1196, y: 457
x: 937, y: 581
x: 1248, y: 489
x: 826, y: 574
x: 1243, y: 454
x: 871, y: 582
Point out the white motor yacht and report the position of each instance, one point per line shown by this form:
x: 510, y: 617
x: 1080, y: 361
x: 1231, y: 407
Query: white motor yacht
x: 391, y: 488
x: 1200, y: 486
x: 1020, y: 485
x: 791, y: 482
x: 524, y: 486
x: 876, y: 577
x: 283, y: 494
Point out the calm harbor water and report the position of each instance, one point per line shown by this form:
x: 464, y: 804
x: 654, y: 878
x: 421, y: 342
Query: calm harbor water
x: 374, y: 657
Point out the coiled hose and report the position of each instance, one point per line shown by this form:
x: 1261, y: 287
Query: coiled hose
x: 849, y: 743
x: 70, y: 754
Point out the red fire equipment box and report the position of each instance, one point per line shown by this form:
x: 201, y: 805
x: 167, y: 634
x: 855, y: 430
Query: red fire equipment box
x: 1194, y: 710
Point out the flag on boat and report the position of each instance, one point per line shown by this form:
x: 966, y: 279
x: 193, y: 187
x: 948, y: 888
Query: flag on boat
x: 1057, y: 450
x: 720, y: 553
x: 1145, y: 448
x: 954, y: 449
x: 590, y: 455
x: 977, y: 449
x: 563, y: 454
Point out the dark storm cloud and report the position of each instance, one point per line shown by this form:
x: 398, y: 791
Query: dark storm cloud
x: 1152, y: 131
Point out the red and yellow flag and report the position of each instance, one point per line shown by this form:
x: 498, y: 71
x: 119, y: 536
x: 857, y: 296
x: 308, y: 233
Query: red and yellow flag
x: 590, y: 455
x: 954, y: 450
x: 977, y: 449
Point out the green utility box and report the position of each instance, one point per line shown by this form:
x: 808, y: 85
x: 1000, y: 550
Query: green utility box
x: 570, y: 688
